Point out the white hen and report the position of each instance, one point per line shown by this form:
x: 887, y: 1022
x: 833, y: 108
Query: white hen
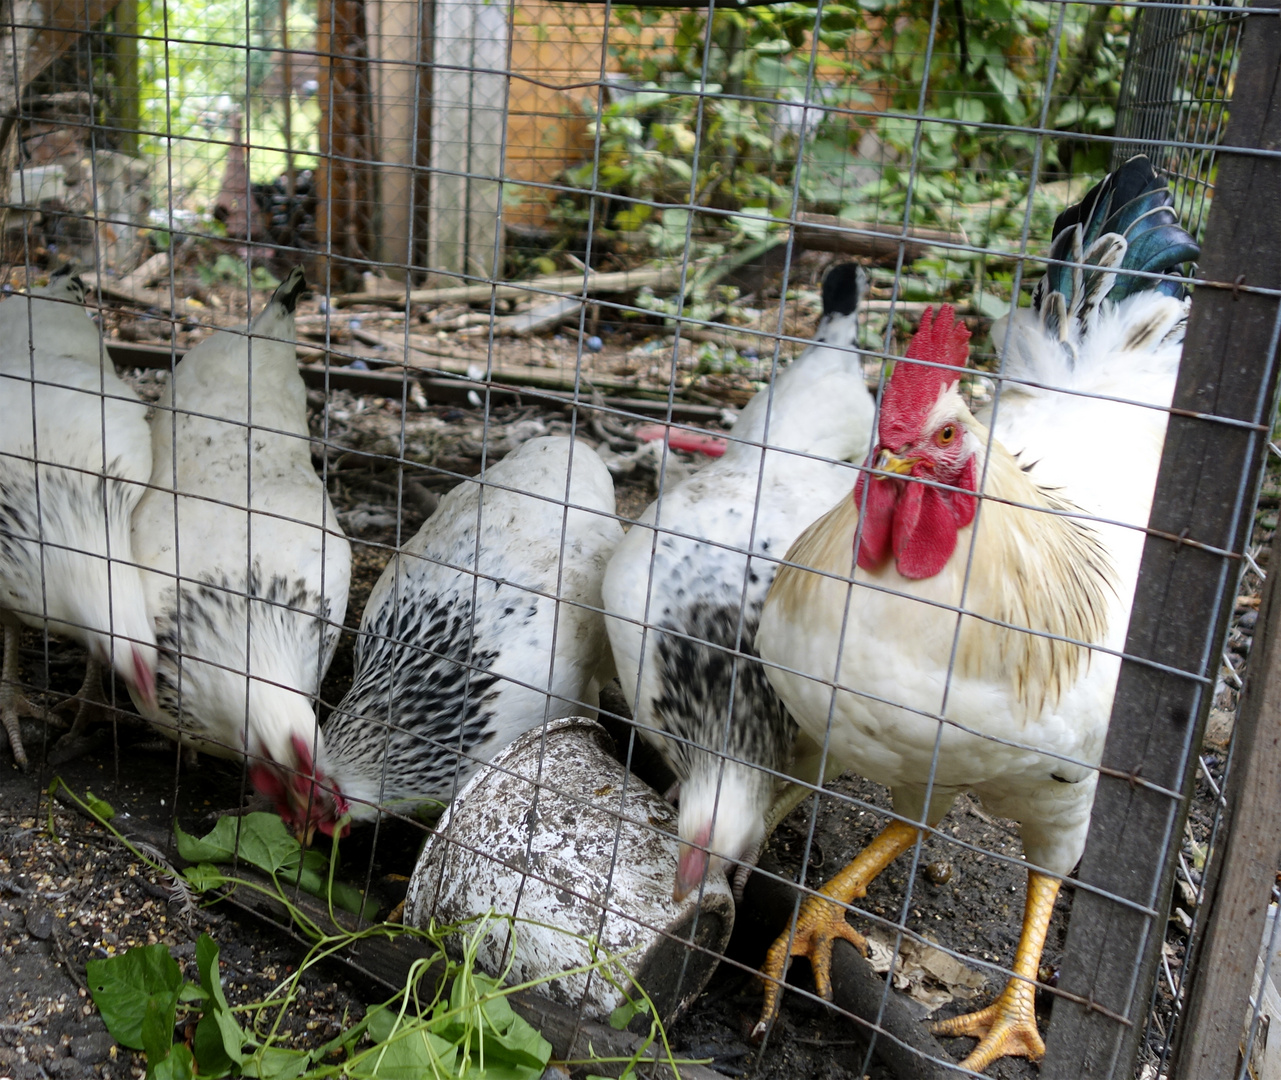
x: 717, y: 720
x: 486, y: 623
x: 246, y: 640
x: 66, y: 560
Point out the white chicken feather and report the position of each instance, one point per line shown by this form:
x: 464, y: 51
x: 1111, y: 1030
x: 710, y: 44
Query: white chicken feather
x: 263, y: 566
x: 713, y: 716
x: 66, y: 559
x: 486, y: 623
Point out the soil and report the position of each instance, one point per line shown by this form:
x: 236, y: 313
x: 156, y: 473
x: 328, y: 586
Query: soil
x: 70, y: 893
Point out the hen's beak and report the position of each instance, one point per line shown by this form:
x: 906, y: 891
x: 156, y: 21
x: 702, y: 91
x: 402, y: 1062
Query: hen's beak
x: 891, y: 463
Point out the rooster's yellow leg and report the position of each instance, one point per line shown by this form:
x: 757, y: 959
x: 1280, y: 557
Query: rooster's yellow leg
x: 1007, y: 1027
x: 822, y: 922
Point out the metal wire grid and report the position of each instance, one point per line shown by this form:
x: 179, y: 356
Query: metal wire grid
x: 1176, y: 89
x: 1196, y: 132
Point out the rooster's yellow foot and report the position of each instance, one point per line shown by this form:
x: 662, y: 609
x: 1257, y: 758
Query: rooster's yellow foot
x: 820, y: 925
x: 1006, y: 1028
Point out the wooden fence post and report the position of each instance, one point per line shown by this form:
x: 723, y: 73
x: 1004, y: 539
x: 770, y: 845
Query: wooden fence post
x: 1244, y: 866
x: 1201, y: 519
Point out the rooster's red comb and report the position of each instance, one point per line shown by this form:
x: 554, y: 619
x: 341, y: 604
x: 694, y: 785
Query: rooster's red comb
x: 940, y: 339
x: 914, y: 388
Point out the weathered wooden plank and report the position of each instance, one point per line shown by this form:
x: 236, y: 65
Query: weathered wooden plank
x: 469, y: 110
x: 1204, y: 493
x: 344, y: 180
x: 401, y: 89
x: 1244, y: 866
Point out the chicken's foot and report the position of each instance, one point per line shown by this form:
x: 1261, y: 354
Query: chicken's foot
x: 822, y: 919
x: 13, y: 702
x: 1007, y: 1027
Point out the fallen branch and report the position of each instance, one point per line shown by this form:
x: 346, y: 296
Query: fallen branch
x: 826, y: 232
x: 577, y: 284
x: 128, y: 292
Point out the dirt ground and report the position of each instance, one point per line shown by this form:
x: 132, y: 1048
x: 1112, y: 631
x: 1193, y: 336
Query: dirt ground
x: 69, y: 893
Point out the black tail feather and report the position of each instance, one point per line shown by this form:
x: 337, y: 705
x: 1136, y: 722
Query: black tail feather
x: 1133, y: 202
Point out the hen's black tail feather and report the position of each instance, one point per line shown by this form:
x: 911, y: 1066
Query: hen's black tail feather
x: 1133, y: 202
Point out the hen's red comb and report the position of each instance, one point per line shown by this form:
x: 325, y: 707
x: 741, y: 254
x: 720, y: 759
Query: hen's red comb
x: 914, y: 388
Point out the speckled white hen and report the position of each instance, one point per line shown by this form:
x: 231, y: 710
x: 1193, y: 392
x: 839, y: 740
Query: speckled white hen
x: 262, y: 564
x: 66, y: 560
x: 716, y: 720
x: 486, y: 623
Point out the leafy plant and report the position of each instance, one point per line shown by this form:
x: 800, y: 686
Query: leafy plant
x: 470, y: 1033
x: 722, y: 134
x: 448, y: 1022
x: 264, y: 841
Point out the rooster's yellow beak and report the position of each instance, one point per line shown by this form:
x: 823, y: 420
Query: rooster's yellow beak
x: 887, y: 462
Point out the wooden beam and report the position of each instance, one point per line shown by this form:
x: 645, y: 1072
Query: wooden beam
x: 1204, y: 496
x: 124, y: 64
x: 1244, y: 867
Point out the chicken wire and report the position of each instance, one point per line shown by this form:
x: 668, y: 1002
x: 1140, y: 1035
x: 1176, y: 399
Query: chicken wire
x: 400, y: 150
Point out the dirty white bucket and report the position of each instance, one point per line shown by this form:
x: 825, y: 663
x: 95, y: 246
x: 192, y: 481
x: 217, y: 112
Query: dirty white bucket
x: 569, y: 845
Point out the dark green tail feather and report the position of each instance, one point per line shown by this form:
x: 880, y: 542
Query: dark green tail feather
x: 1135, y: 202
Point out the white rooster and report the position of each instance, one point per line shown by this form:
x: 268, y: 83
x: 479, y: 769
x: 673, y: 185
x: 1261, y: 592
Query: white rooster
x: 483, y: 625
x: 683, y: 600
x: 66, y: 559
x: 250, y: 592
x: 1010, y: 700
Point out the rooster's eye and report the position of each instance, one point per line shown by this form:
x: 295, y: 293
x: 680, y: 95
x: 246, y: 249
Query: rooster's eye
x: 946, y: 435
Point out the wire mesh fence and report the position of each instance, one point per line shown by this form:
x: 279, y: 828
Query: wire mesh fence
x: 602, y: 533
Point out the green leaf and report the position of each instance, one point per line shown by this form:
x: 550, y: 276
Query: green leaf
x: 275, y: 1063
x: 1071, y: 112
x: 264, y: 842
x: 991, y: 306
x: 100, y: 808
x: 219, y: 1041
x: 405, y: 1049
x: 626, y: 1012
x: 204, y: 876
x: 1102, y: 117
x: 177, y: 1065
x: 135, y: 993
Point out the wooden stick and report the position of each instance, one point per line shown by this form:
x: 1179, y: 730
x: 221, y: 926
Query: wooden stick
x: 660, y: 278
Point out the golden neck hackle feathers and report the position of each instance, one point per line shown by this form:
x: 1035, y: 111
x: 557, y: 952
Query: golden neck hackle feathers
x: 1047, y: 572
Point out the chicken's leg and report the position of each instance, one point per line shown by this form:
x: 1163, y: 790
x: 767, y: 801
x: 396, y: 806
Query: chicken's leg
x: 822, y: 922
x: 1007, y: 1027
x: 90, y: 700
x: 791, y: 796
x: 13, y: 702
